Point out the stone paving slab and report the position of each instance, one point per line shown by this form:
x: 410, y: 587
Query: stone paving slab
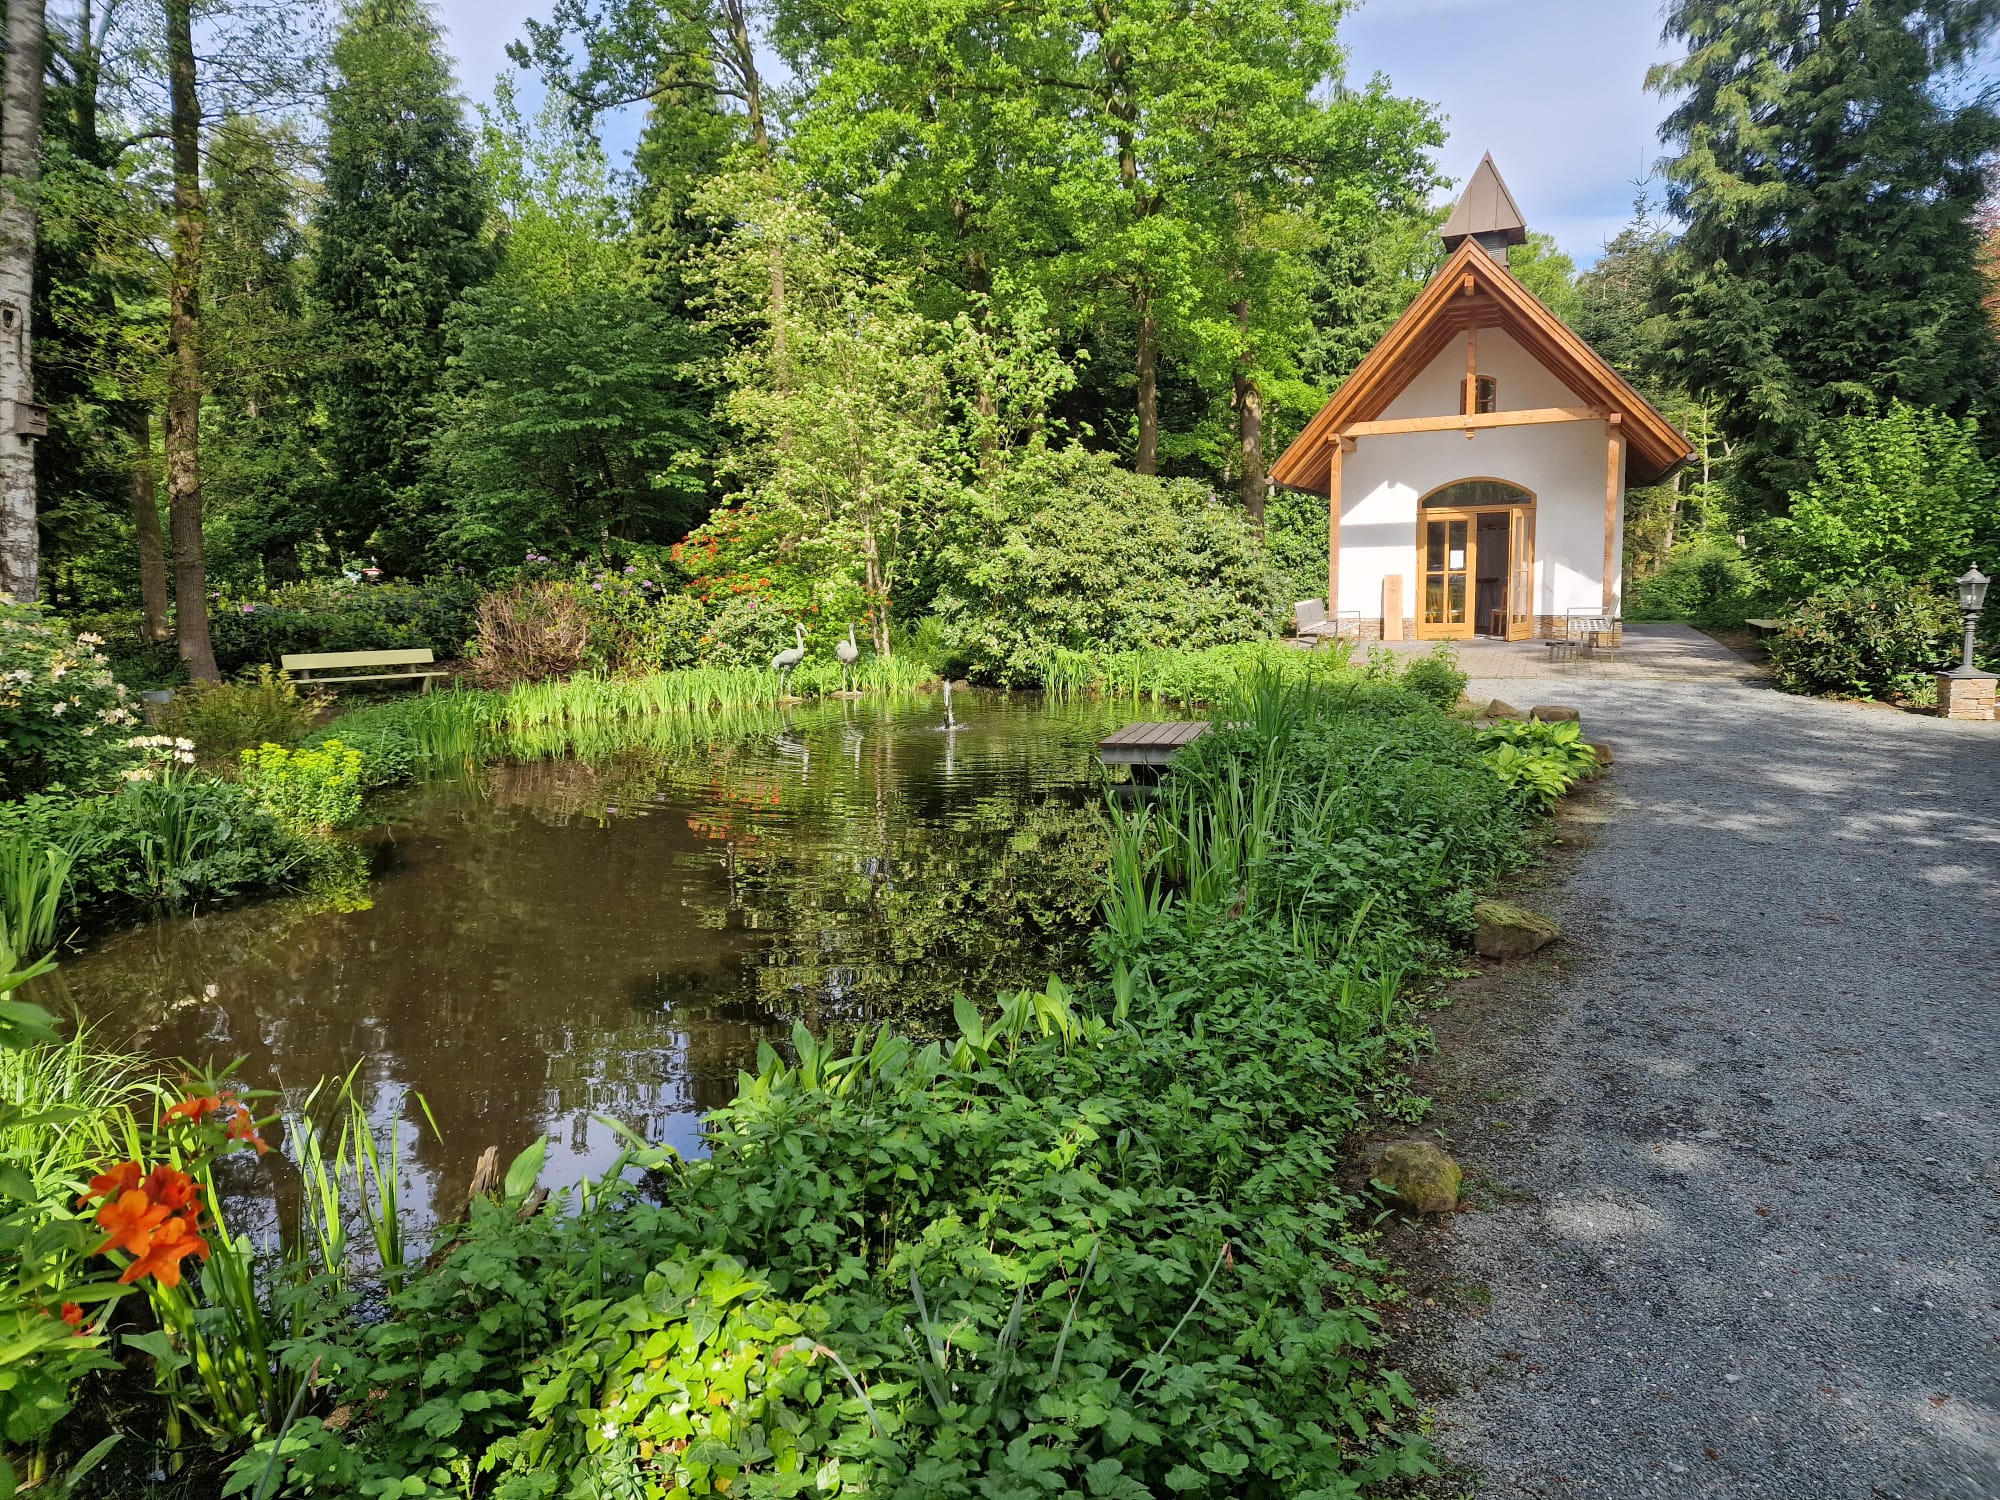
x: 1651, y: 651
x: 1744, y: 1246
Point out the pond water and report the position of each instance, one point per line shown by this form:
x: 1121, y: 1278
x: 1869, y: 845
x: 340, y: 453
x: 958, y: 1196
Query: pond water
x: 553, y: 941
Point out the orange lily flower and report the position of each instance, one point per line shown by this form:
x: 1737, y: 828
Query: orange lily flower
x: 172, y: 1242
x: 174, y: 1189
x: 120, y: 1179
x: 73, y: 1315
x: 130, y: 1218
x: 242, y: 1127
x: 193, y: 1109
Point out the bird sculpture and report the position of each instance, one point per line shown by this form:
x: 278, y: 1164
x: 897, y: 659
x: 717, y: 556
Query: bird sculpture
x: 784, y: 662
x: 849, y: 654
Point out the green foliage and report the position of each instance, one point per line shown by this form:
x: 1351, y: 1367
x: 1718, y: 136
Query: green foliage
x: 63, y: 720
x: 1713, y: 586
x: 1796, y: 296
x: 1538, y: 761
x: 1295, y: 532
x: 34, y: 889
x: 1903, y: 493
x: 1072, y: 554
x: 308, y: 791
x: 1437, y: 676
x: 1098, y: 1243
x: 398, y: 241
x: 1870, y: 640
x: 222, y: 718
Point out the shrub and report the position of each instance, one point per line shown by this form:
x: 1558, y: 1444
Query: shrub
x: 746, y: 630
x: 640, y: 620
x: 531, y: 631
x: 308, y: 791
x: 1692, y: 583
x: 223, y: 718
x: 341, y: 616
x: 63, y: 720
x: 1872, y: 640
x: 1904, y: 493
x: 1436, y: 676
x: 1073, y: 553
x: 1538, y: 761
x: 1295, y: 533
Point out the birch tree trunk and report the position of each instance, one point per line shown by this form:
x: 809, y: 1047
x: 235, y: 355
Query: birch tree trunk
x: 183, y: 430
x: 146, y: 524
x: 20, y: 165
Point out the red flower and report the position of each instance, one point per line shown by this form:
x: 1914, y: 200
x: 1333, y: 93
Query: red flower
x: 73, y: 1315
x: 175, y: 1189
x: 243, y: 1128
x: 193, y: 1109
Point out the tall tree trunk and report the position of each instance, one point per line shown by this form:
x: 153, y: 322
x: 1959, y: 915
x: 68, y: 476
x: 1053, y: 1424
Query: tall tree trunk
x: 183, y: 430
x: 1147, y: 459
x: 1252, y: 483
x: 146, y: 522
x: 20, y: 165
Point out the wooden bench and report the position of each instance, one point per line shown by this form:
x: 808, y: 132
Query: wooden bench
x: 1762, y: 628
x: 298, y: 664
x: 1310, y: 622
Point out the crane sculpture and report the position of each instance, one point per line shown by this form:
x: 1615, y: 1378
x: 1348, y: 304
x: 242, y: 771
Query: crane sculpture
x: 849, y: 654
x: 785, y: 661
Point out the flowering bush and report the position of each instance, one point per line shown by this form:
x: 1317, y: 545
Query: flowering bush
x: 1870, y: 640
x: 308, y: 791
x: 225, y: 717
x: 62, y: 716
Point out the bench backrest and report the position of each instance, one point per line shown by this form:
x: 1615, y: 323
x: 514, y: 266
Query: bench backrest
x: 418, y: 656
x: 1308, y: 612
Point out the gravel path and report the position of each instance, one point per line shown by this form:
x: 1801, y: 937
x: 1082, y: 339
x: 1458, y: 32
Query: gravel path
x: 1753, y: 1248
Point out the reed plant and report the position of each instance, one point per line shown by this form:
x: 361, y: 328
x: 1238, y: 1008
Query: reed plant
x: 34, y: 886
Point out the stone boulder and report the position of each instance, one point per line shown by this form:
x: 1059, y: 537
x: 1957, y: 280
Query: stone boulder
x: 1504, y: 930
x: 1498, y: 709
x: 1419, y: 1176
x: 1603, y: 753
x: 1556, y: 713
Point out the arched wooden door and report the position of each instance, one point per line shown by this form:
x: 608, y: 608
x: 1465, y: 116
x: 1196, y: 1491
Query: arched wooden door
x: 1448, y: 569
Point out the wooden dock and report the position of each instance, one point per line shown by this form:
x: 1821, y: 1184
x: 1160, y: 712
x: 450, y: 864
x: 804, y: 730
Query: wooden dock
x: 1147, y: 744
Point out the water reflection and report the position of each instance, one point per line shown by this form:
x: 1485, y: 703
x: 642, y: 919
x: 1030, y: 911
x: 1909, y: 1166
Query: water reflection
x: 557, y: 940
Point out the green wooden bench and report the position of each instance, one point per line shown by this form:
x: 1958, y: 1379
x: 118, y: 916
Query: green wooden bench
x: 1762, y: 628
x: 301, y: 665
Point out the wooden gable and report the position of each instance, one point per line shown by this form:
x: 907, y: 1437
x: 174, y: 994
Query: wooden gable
x: 1473, y: 291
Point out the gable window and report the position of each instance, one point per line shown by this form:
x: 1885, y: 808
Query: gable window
x: 1478, y: 494
x: 1485, y: 394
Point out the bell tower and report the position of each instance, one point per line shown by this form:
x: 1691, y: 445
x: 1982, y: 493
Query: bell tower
x: 1487, y: 215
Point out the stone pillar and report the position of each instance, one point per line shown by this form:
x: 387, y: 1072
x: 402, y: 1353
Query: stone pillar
x: 1961, y: 697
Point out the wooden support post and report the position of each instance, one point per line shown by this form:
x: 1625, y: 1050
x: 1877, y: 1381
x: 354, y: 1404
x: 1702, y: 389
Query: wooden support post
x: 1336, y: 449
x: 1471, y: 402
x: 1614, y: 473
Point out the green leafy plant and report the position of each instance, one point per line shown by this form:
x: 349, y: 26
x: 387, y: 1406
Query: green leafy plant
x: 1437, y: 675
x: 1870, y: 640
x: 309, y: 791
x: 1538, y: 760
x: 224, y: 718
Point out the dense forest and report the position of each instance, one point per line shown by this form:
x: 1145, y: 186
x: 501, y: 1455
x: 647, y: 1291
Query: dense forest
x: 881, y: 283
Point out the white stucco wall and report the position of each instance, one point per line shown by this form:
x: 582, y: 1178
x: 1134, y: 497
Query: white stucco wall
x: 1563, y: 463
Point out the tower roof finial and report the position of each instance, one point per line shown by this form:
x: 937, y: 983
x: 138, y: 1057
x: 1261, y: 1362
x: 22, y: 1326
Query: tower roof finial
x: 1487, y: 213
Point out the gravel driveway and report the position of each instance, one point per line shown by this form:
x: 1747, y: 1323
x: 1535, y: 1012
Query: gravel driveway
x: 1746, y: 1242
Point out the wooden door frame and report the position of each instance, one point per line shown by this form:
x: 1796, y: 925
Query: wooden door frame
x: 1470, y: 515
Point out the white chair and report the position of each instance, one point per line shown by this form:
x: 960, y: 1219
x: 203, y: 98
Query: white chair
x: 1310, y: 621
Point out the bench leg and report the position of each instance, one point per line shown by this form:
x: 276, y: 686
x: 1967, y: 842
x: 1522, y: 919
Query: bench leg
x: 426, y: 687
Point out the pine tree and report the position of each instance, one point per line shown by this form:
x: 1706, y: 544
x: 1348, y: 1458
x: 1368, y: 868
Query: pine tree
x: 400, y: 238
x: 1828, y: 183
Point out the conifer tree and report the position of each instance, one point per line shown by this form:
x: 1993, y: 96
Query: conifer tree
x: 1828, y: 177
x: 400, y: 238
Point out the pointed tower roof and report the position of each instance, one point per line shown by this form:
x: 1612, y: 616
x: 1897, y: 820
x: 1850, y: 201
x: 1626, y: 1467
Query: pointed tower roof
x: 1487, y: 213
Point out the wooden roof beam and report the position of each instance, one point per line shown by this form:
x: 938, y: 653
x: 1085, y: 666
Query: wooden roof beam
x: 1529, y: 417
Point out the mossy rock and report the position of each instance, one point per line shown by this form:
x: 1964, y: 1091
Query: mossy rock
x: 1556, y: 713
x: 1500, y: 709
x: 1504, y: 930
x: 1603, y: 753
x: 1419, y: 1176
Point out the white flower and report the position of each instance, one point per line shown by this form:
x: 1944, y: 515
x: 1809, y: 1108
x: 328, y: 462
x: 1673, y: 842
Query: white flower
x: 88, y: 730
x: 90, y: 638
x: 58, y: 706
x: 56, y: 671
x: 185, y: 757
x: 183, y: 744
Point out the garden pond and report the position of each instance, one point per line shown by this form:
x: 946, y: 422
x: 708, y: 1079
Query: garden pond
x: 552, y: 941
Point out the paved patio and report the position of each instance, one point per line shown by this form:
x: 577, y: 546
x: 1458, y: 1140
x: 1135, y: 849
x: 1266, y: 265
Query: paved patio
x: 1656, y: 652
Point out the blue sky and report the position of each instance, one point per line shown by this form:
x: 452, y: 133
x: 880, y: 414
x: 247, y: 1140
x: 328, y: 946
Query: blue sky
x: 1551, y: 87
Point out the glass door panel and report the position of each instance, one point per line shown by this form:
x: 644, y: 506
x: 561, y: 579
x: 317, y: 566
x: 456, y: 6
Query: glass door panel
x: 1520, y: 574
x: 1448, y: 571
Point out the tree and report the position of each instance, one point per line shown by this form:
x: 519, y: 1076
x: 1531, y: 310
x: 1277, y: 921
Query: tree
x: 184, y: 376
x: 574, y: 411
x: 1827, y: 179
x: 20, y: 165
x: 400, y: 239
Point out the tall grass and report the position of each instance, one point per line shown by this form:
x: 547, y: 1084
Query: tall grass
x: 1191, y: 677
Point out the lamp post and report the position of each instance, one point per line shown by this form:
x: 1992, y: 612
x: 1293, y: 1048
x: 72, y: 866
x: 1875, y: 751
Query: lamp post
x: 1971, y: 601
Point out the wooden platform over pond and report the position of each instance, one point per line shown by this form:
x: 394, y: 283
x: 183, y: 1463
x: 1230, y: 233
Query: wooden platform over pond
x: 1147, y: 744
